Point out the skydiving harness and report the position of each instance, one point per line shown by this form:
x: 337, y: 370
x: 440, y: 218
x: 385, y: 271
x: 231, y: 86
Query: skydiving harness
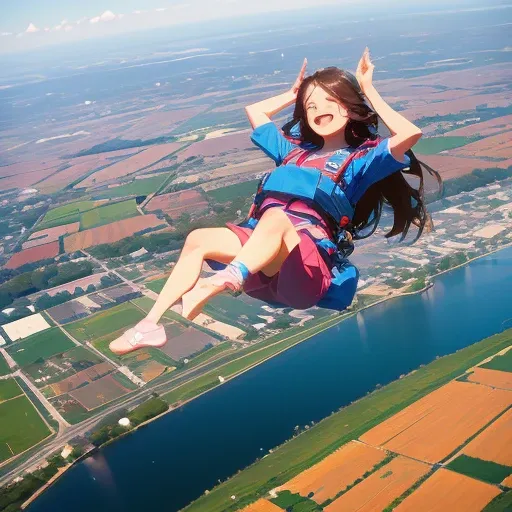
x: 323, y: 191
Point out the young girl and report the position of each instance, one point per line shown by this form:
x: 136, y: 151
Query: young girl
x: 333, y: 174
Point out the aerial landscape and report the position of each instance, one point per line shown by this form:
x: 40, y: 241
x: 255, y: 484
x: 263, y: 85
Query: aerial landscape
x: 114, y: 148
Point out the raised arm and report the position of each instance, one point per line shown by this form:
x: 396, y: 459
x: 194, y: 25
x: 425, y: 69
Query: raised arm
x: 261, y: 112
x: 404, y: 134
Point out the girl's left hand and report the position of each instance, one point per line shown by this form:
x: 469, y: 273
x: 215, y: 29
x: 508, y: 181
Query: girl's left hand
x: 364, y: 73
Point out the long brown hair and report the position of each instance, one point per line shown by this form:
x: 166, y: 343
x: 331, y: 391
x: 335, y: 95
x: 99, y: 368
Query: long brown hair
x: 407, y: 201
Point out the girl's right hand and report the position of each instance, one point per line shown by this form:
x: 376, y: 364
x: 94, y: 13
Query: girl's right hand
x: 295, y: 87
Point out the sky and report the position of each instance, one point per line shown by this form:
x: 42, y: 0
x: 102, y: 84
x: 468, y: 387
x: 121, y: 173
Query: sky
x: 29, y: 24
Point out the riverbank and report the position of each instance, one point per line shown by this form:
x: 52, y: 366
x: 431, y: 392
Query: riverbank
x: 308, y: 448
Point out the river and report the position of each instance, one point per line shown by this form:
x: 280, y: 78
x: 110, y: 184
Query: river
x: 173, y: 460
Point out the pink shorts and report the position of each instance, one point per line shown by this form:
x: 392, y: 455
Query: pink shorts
x: 304, y: 277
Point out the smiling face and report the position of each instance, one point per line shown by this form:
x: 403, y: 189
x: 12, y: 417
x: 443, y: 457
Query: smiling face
x: 325, y: 115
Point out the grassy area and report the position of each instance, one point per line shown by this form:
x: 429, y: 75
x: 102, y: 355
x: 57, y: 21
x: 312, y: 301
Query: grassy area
x: 108, y: 213
x: 135, y: 188
x: 481, y: 469
x: 502, y: 503
x: 225, y: 194
x: 232, y: 310
x: 156, y: 285
x: 350, y: 423
x: 40, y: 346
x: 295, y: 503
x: 65, y: 214
x: 502, y: 363
x: 434, y: 145
x: 4, y: 367
x: 101, y: 324
x: 9, y: 389
x: 22, y: 427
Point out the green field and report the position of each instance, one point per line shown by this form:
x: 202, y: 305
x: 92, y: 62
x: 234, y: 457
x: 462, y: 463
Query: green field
x: 135, y: 188
x: 4, y: 367
x: 480, y: 469
x: 119, y: 317
x: 502, y: 503
x: 41, y: 345
x: 350, y: 423
x: 434, y: 145
x: 65, y: 214
x: 156, y: 285
x: 225, y: 194
x: 502, y: 363
x: 108, y: 213
x: 22, y: 427
x: 235, y: 310
x: 9, y: 389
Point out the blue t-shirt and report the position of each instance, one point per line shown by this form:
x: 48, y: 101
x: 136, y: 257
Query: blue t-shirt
x: 377, y: 164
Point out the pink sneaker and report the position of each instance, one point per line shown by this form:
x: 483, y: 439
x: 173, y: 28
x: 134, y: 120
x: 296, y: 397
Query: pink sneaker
x: 144, y: 334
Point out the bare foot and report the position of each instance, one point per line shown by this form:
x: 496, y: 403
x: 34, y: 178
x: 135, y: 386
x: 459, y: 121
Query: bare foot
x: 194, y: 300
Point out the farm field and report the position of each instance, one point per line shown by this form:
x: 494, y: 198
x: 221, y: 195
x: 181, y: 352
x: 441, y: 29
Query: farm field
x: 41, y: 345
x: 225, y: 194
x: 65, y: 214
x: 140, y: 187
x: 24, y: 327
x: 494, y: 146
x: 22, y: 427
x: 446, y: 490
x: 212, y: 147
x: 335, y: 472
x: 84, y: 282
x: 81, y: 377
x: 484, y: 128
x: 455, y: 412
x: 382, y: 487
x: 108, y: 213
x: 495, y: 442
x: 434, y: 145
x: 110, y: 233
x: 156, y: 285
x: 262, y: 505
x: 130, y: 165
x: 494, y: 378
x: 50, y: 235
x: 33, y: 254
x: 177, y: 203
x: 484, y: 470
x: 501, y: 363
x: 101, y: 324
x: 186, y: 343
x: 4, y: 367
x: 9, y: 389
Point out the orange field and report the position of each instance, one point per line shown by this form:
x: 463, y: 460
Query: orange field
x: 485, y: 128
x: 335, y: 472
x: 152, y: 370
x: 110, y: 233
x: 495, y: 146
x: 50, y: 235
x: 176, y: 203
x: 494, y: 443
x: 492, y: 378
x: 450, y: 415
x: 381, y: 488
x: 216, y: 146
x: 262, y: 506
x: 33, y: 254
x: 448, y: 491
x: 81, y: 377
x: 508, y: 481
x: 130, y: 165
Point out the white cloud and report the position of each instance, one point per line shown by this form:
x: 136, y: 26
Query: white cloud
x: 67, y: 28
x: 57, y: 27
x: 31, y: 29
x: 106, y: 16
x: 139, y: 12
x: 161, y: 9
x: 6, y: 34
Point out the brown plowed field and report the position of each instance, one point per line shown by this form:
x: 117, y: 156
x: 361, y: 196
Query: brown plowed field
x: 27, y: 179
x: 450, y: 415
x: 335, y: 472
x: 381, y: 488
x: 454, y: 166
x: 41, y: 252
x: 213, y: 147
x: 484, y: 128
x: 99, y: 392
x: 176, y: 203
x: 492, y: 378
x: 152, y: 370
x: 110, y: 233
x: 446, y: 491
x: 88, y: 375
x: 494, y: 443
x: 50, y: 235
x: 262, y: 506
x: 495, y: 146
x: 130, y: 165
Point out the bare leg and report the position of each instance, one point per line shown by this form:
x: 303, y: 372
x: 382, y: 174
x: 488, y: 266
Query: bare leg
x: 220, y: 244
x: 272, y: 240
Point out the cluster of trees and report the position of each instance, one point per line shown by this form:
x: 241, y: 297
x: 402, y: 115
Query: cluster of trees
x: 144, y: 412
x: 478, y: 178
x: 452, y: 260
x: 116, y: 144
x: 33, y: 281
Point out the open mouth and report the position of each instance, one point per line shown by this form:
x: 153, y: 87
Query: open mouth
x: 323, y: 120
